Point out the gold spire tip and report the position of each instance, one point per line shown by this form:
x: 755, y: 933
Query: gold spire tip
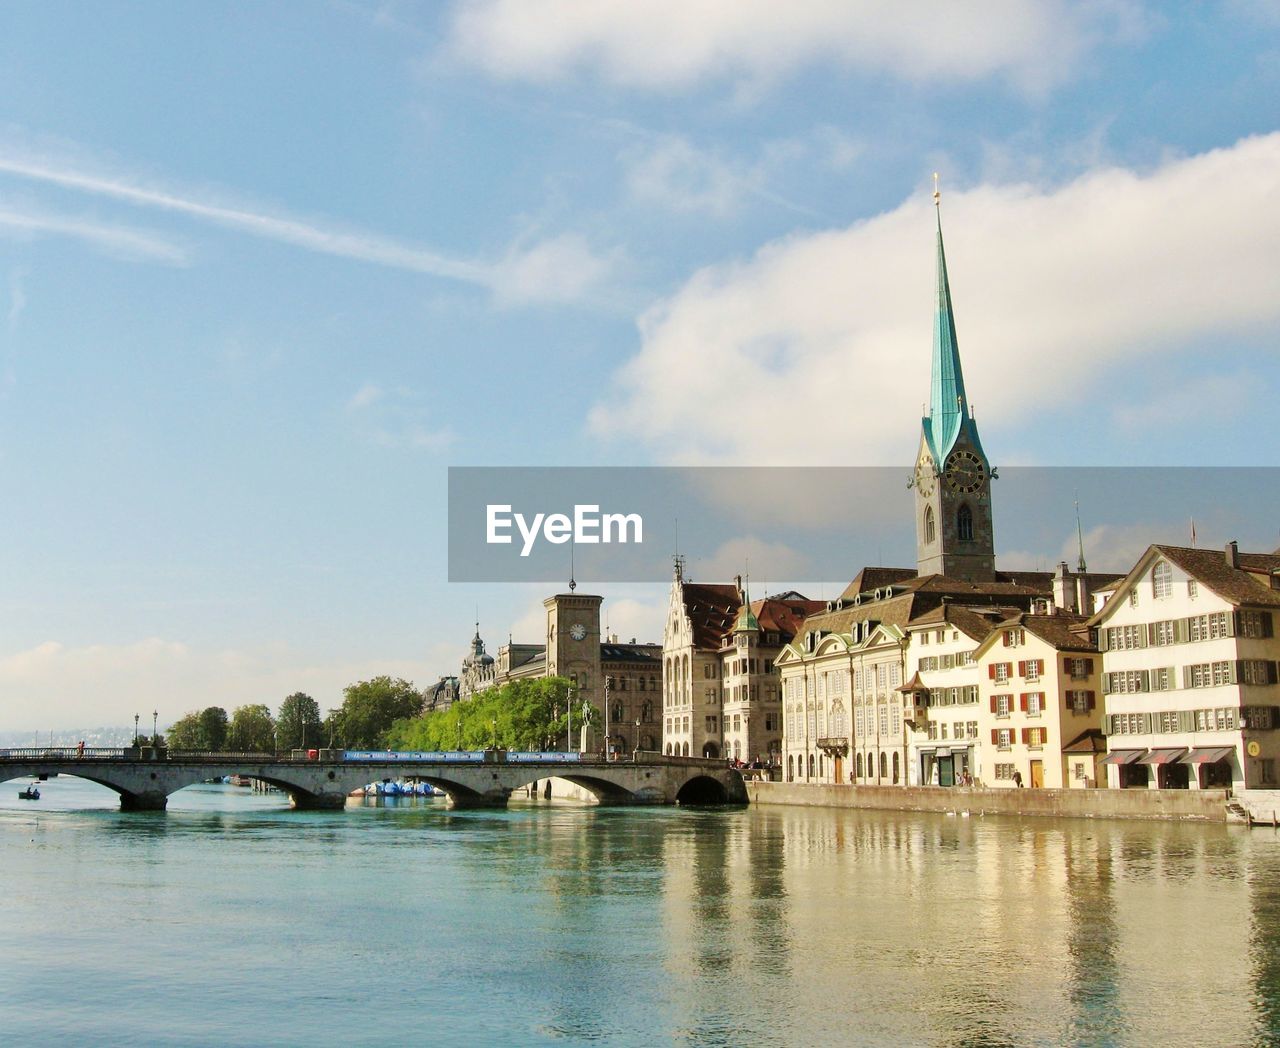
x: 937, y: 196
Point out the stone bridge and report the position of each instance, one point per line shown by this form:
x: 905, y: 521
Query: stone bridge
x: 145, y: 778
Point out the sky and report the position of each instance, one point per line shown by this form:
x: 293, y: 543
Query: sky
x: 268, y: 270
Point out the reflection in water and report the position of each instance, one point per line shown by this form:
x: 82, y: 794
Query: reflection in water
x: 553, y: 923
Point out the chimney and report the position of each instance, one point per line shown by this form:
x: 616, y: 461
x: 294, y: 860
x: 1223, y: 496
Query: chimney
x: 1063, y: 593
x: 1233, y: 554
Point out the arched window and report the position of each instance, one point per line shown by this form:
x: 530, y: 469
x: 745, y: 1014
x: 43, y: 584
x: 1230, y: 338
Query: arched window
x: 791, y: 769
x: 668, y: 749
x: 930, y: 526
x: 895, y: 769
x: 857, y: 761
x: 810, y: 766
x: 819, y: 765
x: 686, y: 750
x: 884, y: 765
x: 964, y: 524
x: 1161, y: 580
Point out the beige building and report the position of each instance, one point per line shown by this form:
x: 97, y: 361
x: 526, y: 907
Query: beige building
x: 1189, y: 670
x: 1039, y: 693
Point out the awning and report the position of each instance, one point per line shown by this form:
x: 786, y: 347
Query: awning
x: 1122, y: 756
x: 1163, y: 756
x: 1210, y: 754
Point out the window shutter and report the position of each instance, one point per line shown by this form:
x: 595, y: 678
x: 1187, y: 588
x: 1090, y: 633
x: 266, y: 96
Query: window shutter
x: 1022, y: 702
x: 1103, y: 636
x: 1026, y: 736
x: 993, y: 704
x: 1005, y: 638
x: 1022, y: 668
x: 995, y: 736
x: 1088, y: 666
x: 1151, y: 634
x: 1091, y: 700
x: 1265, y: 616
x: 1233, y: 672
x: 991, y: 671
x: 1181, y: 631
x: 1271, y: 672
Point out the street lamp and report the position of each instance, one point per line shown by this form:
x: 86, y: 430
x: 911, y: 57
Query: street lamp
x: 135, y: 729
x: 155, y: 725
x: 608, y: 683
x: 636, y: 752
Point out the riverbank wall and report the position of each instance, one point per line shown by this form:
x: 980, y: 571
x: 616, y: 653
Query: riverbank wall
x: 1185, y: 805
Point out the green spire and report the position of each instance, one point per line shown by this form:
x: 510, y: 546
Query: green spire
x: 746, y: 620
x: 948, y: 408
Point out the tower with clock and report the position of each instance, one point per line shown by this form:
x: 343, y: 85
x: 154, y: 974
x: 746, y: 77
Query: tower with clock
x: 573, y: 642
x: 952, y: 478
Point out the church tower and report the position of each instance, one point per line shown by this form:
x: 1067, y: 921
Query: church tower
x: 952, y: 481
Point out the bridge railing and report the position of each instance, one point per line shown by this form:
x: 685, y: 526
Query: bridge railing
x: 61, y: 752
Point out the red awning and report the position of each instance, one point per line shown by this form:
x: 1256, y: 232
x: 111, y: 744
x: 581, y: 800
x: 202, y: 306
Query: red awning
x: 1163, y: 756
x: 1122, y: 756
x: 1210, y: 754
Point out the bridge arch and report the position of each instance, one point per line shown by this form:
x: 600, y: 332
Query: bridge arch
x: 702, y: 789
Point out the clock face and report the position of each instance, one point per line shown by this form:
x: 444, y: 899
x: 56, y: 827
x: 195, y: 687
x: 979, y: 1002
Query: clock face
x: 965, y: 471
x: 577, y: 631
x: 924, y: 476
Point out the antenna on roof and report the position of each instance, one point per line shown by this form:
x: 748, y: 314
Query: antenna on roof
x: 1080, y: 566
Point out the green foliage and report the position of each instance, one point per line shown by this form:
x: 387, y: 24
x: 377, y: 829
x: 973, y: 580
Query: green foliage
x: 205, y: 730
x: 299, y: 724
x: 252, y: 730
x: 369, y: 710
x: 519, y: 715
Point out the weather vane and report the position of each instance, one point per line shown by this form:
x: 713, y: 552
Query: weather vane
x: 937, y: 196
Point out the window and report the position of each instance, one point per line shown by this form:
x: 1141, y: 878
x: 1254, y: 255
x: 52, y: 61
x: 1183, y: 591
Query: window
x: 1162, y: 580
x: 930, y: 526
x: 1001, y: 705
x: 964, y: 524
x: 1162, y: 633
x: 1035, y: 703
x: 1259, y: 718
x: 711, y: 725
x: 1161, y: 680
x: 1133, y: 597
x: 1123, y: 638
x: 1012, y: 638
x: 1257, y: 671
x: 1001, y: 675
x: 1004, y: 738
x: 1004, y: 771
x: 1036, y: 736
x: 1125, y: 682
x: 943, y: 731
x: 1032, y: 669
x: 1080, y: 701
x: 1267, y: 771
x: 884, y: 720
x: 1255, y: 624
x: 1080, y: 668
x: 1192, y: 589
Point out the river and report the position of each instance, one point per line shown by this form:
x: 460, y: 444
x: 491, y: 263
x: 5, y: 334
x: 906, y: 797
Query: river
x: 230, y: 919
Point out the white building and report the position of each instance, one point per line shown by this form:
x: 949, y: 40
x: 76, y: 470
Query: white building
x: 1189, y: 670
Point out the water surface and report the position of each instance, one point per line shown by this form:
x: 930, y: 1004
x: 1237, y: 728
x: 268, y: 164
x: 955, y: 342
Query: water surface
x: 230, y: 919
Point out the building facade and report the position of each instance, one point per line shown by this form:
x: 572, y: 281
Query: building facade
x: 1189, y: 671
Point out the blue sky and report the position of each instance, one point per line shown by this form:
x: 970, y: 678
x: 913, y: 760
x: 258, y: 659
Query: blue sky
x: 266, y: 271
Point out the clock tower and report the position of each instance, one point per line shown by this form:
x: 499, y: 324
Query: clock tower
x: 573, y: 642
x: 952, y: 478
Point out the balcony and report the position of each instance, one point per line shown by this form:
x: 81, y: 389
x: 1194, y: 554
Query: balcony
x: 835, y: 747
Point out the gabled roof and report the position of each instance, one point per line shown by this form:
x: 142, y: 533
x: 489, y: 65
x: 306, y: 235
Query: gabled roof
x: 1242, y: 585
x: 639, y: 654
x: 1091, y: 740
x: 869, y: 579
x: 974, y: 623
x: 711, y: 608
x: 1062, y: 630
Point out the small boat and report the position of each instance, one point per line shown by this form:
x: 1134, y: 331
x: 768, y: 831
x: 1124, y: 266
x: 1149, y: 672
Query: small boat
x: 31, y: 793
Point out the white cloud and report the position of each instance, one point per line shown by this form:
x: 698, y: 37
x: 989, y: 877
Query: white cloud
x: 119, y: 241
x: 107, y: 683
x: 560, y: 268
x: 395, y: 418
x: 673, y: 174
x: 663, y: 44
x: 1051, y: 288
x: 738, y: 556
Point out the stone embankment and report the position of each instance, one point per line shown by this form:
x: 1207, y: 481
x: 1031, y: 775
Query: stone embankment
x: 1194, y: 805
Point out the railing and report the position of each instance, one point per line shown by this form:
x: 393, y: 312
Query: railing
x: 61, y: 752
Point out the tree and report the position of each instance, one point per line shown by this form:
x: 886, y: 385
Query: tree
x: 370, y: 708
x: 205, y: 730
x: 211, y: 728
x: 184, y: 733
x: 299, y: 723
x: 252, y: 729
x: 519, y: 715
